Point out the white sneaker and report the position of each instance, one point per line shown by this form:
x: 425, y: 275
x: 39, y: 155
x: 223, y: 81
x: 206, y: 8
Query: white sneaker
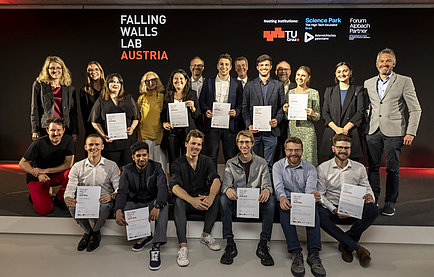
x: 210, y: 242
x: 182, y: 259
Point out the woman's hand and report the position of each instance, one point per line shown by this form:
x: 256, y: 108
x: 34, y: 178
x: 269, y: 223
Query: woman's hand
x: 167, y: 126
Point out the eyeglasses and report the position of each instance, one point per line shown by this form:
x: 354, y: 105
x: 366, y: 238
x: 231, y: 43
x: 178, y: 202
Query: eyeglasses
x: 246, y: 142
x: 283, y: 69
x: 54, y: 68
x: 342, y: 148
x: 298, y: 151
x: 153, y: 80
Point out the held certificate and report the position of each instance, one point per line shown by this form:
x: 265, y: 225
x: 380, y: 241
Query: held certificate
x: 138, y: 223
x: 303, y: 208
x: 178, y: 114
x: 261, y: 118
x: 220, y: 117
x: 116, y: 126
x: 87, y: 202
x: 351, y: 201
x: 297, y: 107
x: 247, y: 203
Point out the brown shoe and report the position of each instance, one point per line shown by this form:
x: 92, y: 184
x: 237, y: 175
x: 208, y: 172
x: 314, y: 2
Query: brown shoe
x: 346, y: 256
x: 364, y: 256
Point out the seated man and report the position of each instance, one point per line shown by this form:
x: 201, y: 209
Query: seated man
x: 331, y: 175
x: 292, y: 174
x: 47, y: 162
x: 144, y: 184
x: 246, y: 170
x: 93, y: 171
x: 196, y: 185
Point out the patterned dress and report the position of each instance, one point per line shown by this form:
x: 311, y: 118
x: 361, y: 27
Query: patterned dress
x: 305, y: 129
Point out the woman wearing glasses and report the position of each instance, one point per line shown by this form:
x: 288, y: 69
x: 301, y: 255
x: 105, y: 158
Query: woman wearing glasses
x: 150, y: 103
x: 53, y: 96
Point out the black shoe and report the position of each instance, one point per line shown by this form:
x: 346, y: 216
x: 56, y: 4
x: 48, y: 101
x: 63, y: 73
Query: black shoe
x: 263, y: 252
x: 155, y: 259
x: 316, y: 266
x: 59, y: 203
x: 297, y: 267
x: 95, y: 239
x: 389, y: 209
x: 230, y: 253
x: 82, y: 244
x: 142, y: 243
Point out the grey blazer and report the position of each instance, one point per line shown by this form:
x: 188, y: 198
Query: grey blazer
x: 388, y: 113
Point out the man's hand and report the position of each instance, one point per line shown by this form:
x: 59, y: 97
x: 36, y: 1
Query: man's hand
x: 208, y: 114
x: 70, y: 202
x: 120, y: 218
x: 36, y: 135
x: 105, y: 198
x: 153, y: 215
x: 251, y: 129
x: 208, y: 200
x: 263, y: 197
x: 316, y: 195
x: 231, y: 194
x: 198, y: 204
x: 36, y: 171
x: 408, y: 139
x: 284, y: 203
x: 341, y: 216
x: 273, y: 123
x: 368, y: 198
x: 232, y: 113
x: 43, y: 178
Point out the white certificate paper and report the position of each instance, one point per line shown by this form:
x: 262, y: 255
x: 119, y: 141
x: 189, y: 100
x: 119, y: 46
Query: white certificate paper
x: 261, y: 118
x: 87, y: 205
x: 220, y: 113
x: 297, y: 107
x: 303, y: 209
x: 116, y: 126
x: 178, y: 114
x: 351, y: 201
x: 138, y: 223
x: 247, y: 203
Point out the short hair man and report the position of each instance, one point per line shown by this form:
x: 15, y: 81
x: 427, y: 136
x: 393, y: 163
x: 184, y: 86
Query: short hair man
x: 264, y: 91
x: 47, y: 162
x: 221, y: 89
x: 331, y: 175
x: 247, y: 170
x: 196, y: 185
x: 197, y: 65
x: 241, y: 65
x: 93, y: 171
x: 143, y: 184
x: 389, y: 94
x: 293, y: 174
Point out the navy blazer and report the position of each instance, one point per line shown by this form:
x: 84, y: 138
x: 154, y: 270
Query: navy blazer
x: 252, y: 96
x: 235, y: 98
x: 129, y: 183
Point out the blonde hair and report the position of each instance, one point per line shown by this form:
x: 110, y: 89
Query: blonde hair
x: 143, y: 89
x: 44, y: 75
x: 88, y: 87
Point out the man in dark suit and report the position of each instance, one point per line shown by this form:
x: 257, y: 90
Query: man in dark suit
x: 389, y: 94
x: 241, y: 65
x: 221, y: 89
x: 264, y: 91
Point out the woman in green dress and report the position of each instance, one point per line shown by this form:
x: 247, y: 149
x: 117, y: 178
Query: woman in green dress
x: 305, y: 129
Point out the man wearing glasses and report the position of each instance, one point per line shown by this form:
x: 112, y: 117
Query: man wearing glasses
x: 247, y: 170
x: 197, y: 65
x: 331, y: 175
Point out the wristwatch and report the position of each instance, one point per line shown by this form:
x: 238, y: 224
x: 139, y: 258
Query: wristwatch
x: 113, y: 195
x: 159, y: 206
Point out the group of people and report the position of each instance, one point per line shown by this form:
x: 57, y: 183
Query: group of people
x: 193, y: 150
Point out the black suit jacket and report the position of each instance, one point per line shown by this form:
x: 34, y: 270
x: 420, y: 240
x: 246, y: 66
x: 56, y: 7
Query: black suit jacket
x: 235, y: 98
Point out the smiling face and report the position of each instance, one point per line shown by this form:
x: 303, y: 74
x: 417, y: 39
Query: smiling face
x: 115, y: 85
x: 94, y: 146
x: 293, y: 152
x: 283, y: 71
x: 196, y: 67
x: 241, y: 68
x: 94, y: 72
x: 55, y: 70
x: 343, y: 74
x: 194, y: 146
x: 151, y: 83
x: 302, y: 78
x: 141, y: 158
x: 224, y: 67
x: 55, y: 133
x: 179, y: 81
x: 264, y: 68
x: 342, y: 150
x: 245, y: 144
x: 385, y: 64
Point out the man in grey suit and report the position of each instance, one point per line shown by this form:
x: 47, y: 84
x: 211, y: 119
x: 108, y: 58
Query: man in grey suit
x: 264, y: 91
x: 389, y: 95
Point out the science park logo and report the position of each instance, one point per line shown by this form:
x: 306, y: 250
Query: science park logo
x: 278, y: 33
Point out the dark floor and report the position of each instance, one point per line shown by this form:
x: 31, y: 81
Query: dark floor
x: 414, y: 206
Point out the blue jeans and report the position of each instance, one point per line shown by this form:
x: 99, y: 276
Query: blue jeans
x: 266, y: 210
x: 270, y: 143
x: 292, y: 242
x: 392, y: 147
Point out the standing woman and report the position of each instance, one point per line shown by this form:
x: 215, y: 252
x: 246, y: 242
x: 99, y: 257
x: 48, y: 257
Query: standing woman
x: 150, y: 128
x: 53, y: 96
x: 90, y: 92
x: 179, y: 90
x: 343, y: 110
x: 305, y: 129
x: 113, y: 99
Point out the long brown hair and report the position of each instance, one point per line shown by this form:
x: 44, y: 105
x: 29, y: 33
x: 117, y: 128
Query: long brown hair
x: 105, y: 94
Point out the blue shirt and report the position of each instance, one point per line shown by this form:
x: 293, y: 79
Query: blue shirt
x: 382, y: 86
x: 343, y: 94
x: 264, y: 89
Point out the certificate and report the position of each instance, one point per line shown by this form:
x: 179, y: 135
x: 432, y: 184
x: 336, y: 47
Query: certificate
x: 351, y: 201
x: 220, y: 118
x: 247, y: 203
x: 138, y: 223
x: 297, y: 107
x: 178, y: 114
x: 261, y: 118
x: 116, y: 126
x: 303, y: 209
x: 87, y: 205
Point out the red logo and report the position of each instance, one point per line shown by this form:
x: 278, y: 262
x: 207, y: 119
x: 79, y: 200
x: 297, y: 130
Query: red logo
x: 277, y: 33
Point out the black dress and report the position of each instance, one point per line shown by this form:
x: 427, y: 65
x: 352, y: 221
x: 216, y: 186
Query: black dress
x: 86, y: 105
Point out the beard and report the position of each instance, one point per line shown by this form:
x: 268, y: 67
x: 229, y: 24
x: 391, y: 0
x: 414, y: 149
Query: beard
x: 338, y: 156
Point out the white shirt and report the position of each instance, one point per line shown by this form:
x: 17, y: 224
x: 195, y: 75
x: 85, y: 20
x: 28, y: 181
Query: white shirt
x: 222, y: 90
x: 105, y: 174
x: 243, y: 81
x: 197, y: 85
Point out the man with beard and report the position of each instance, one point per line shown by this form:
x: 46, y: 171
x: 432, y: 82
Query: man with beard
x: 241, y: 65
x: 331, y: 175
x: 390, y: 94
x: 293, y: 174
